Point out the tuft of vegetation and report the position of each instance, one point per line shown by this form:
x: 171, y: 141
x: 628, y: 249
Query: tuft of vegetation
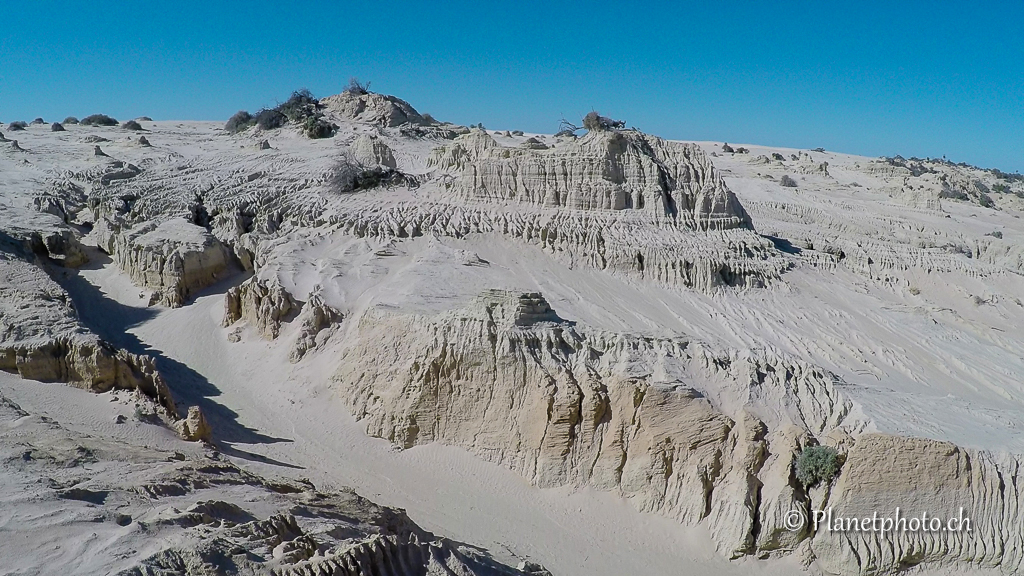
x: 742, y: 151
x: 98, y: 120
x: 269, y: 119
x: 818, y: 150
x: 56, y: 127
x: 301, y: 108
x: 17, y: 125
x: 787, y: 181
x: 727, y: 149
x: 356, y: 87
x: 131, y: 125
x: 240, y: 121
x: 594, y: 122
x: 779, y: 157
x: 995, y: 234
x: 38, y: 121
x: 70, y: 120
x: 318, y: 127
x: 144, y: 119
x: 816, y: 465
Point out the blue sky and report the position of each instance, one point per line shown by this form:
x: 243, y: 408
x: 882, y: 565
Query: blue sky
x: 876, y: 78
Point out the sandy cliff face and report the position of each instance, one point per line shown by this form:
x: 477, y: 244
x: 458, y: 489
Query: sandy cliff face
x: 41, y: 339
x: 605, y: 170
x: 509, y: 380
x: 919, y: 476
x: 175, y: 259
x: 560, y: 404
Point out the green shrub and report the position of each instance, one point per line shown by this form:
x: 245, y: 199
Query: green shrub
x: 299, y: 106
x: 817, y: 464
x: 70, y: 120
x: 98, y: 120
x: 787, y: 181
x: 269, y: 119
x: 17, y: 125
x: 131, y: 125
x: 317, y: 127
x: 240, y: 121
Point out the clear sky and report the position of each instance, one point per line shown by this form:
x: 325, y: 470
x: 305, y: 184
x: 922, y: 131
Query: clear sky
x: 875, y: 78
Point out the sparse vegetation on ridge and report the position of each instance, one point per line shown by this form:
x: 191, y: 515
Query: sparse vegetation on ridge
x: 301, y: 108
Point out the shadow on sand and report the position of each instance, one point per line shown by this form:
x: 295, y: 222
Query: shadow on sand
x: 111, y: 320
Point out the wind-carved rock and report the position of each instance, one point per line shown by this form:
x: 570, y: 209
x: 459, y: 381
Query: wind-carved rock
x: 316, y: 321
x: 506, y: 378
x: 175, y: 258
x: 604, y: 170
x: 265, y: 305
x: 618, y: 200
x: 371, y: 151
x: 193, y: 427
x: 379, y: 109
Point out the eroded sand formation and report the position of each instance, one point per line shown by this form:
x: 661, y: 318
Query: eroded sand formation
x: 670, y: 323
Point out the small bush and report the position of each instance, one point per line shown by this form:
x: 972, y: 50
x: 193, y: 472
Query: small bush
x: 131, y: 125
x: 1000, y: 188
x: 777, y: 156
x: 995, y: 234
x: 356, y: 87
x: 818, y: 150
x: 70, y: 120
x: 787, y: 182
x: 38, y: 121
x: 299, y: 106
x: 240, y: 121
x: 317, y: 127
x: 56, y: 127
x: 726, y: 148
x: 144, y: 119
x: 269, y: 119
x: 98, y: 120
x: 742, y: 151
x: 17, y: 125
x: 817, y: 464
